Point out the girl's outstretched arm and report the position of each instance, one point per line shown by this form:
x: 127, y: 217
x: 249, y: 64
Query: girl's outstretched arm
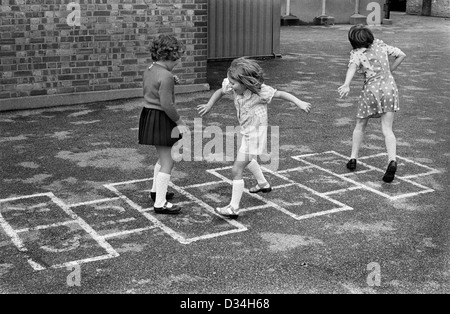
x: 305, y: 106
x: 204, y: 109
x: 345, y: 89
x: 397, y: 62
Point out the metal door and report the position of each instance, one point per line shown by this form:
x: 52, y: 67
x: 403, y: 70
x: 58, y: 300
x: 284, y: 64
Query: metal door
x: 239, y: 28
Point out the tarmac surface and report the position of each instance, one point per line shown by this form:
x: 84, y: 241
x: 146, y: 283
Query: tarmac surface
x: 75, y: 216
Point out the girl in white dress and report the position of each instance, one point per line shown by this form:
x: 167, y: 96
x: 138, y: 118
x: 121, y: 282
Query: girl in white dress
x: 245, y: 81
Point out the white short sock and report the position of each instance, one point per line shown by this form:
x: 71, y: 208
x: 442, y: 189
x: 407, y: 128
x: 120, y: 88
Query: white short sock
x: 255, y: 169
x: 238, y: 189
x: 155, y: 174
x: 162, y: 182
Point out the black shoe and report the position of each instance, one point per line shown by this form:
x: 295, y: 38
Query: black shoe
x: 390, y: 172
x: 257, y: 189
x: 169, y: 196
x: 351, y: 165
x: 172, y: 210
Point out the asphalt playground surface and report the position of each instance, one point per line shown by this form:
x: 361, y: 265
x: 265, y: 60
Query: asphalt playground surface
x: 75, y: 216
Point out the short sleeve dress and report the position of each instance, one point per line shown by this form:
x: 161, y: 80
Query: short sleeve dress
x: 252, y: 115
x: 380, y: 92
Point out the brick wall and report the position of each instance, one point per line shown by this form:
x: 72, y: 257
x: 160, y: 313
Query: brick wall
x: 439, y: 8
x: 40, y: 54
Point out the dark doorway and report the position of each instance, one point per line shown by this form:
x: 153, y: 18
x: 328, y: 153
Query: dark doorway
x: 426, y: 7
x: 398, y: 5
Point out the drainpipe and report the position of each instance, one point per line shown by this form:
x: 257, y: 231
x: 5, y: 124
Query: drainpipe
x: 357, y: 18
x: 324, y: 19
x: 289, y: 19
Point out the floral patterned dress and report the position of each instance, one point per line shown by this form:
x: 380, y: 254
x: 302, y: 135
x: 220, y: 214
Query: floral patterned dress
x: 252, y: 115
x: 380, y: 92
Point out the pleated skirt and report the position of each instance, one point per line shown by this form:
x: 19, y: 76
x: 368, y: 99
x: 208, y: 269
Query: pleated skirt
x: 157, y: 129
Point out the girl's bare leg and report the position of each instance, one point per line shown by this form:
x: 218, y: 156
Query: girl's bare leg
x: 358, y: 136
x: 387, y: 120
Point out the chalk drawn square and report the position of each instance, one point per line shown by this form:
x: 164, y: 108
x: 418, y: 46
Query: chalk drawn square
x: 219, y: 194
x: 300, y: 201
x: 30, y: 212
x: 195, y: 222
x: 406, y: 168
x: 330, y: 161
x: 318, y: 180
x: 112, y: 217
x: 55, y: 246
x: 397, y: 189
x: 139, y: 193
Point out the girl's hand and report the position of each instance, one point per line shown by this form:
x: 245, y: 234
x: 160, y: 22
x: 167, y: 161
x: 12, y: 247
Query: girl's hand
x: 203, y: 109
x: 344, y: 90
x: 176, y: 80
x: 305, y: 106
x: 183, y: 129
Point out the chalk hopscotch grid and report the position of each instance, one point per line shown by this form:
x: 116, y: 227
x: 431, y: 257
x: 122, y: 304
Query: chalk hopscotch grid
x: 14, y: 234
x: 372, y: 168
x: 111, y: 253
x: 270, y: 204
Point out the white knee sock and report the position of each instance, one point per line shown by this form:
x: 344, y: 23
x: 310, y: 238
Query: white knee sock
x: 162, y: 182
x: 255, y: 169
x: 155, y: 174
x: 238, y: 189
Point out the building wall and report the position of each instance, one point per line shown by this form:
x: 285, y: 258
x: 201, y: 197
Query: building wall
x: 41, y: 55
x: 439, y: 8
x: 341, y: 10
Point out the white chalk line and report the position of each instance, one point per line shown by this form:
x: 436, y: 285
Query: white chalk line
x: 13, y: 234
x: 170, y: 231
x: 342, y: 207
x: 344, y: 177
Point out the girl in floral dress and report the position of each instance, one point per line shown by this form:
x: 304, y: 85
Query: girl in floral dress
x: 379, y: 96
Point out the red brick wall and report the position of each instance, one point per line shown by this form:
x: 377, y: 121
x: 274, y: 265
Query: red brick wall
x: 40, y: 54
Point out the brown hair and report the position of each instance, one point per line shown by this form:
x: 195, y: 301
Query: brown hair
x: 166, y: 47
x: 360, y: 36
x: 247, y: 72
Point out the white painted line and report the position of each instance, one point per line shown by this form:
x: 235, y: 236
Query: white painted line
x: 175, y: 203
x: 356, y: 172
x: 104, y: 200
x: 426, y: 189
x: 99, y: 239
x: 201, y: 185
x: 325, y: 212
x: 64, y: 223
x: 240, y: 227
x: 282, y: 186
x: 18, y: 242
x: 254, y: 208
x: 294, y: 169
x: 370, y: 156
x: 127, y: 182
x: 397, y: 197
x: 343, y: 190
x: 127, y: 232
x: 322, y: 195
x: 24, y: 197
x: 291, y: 183
x: 84, y: 261
x: 168, y: 230
x: 312, y: 154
